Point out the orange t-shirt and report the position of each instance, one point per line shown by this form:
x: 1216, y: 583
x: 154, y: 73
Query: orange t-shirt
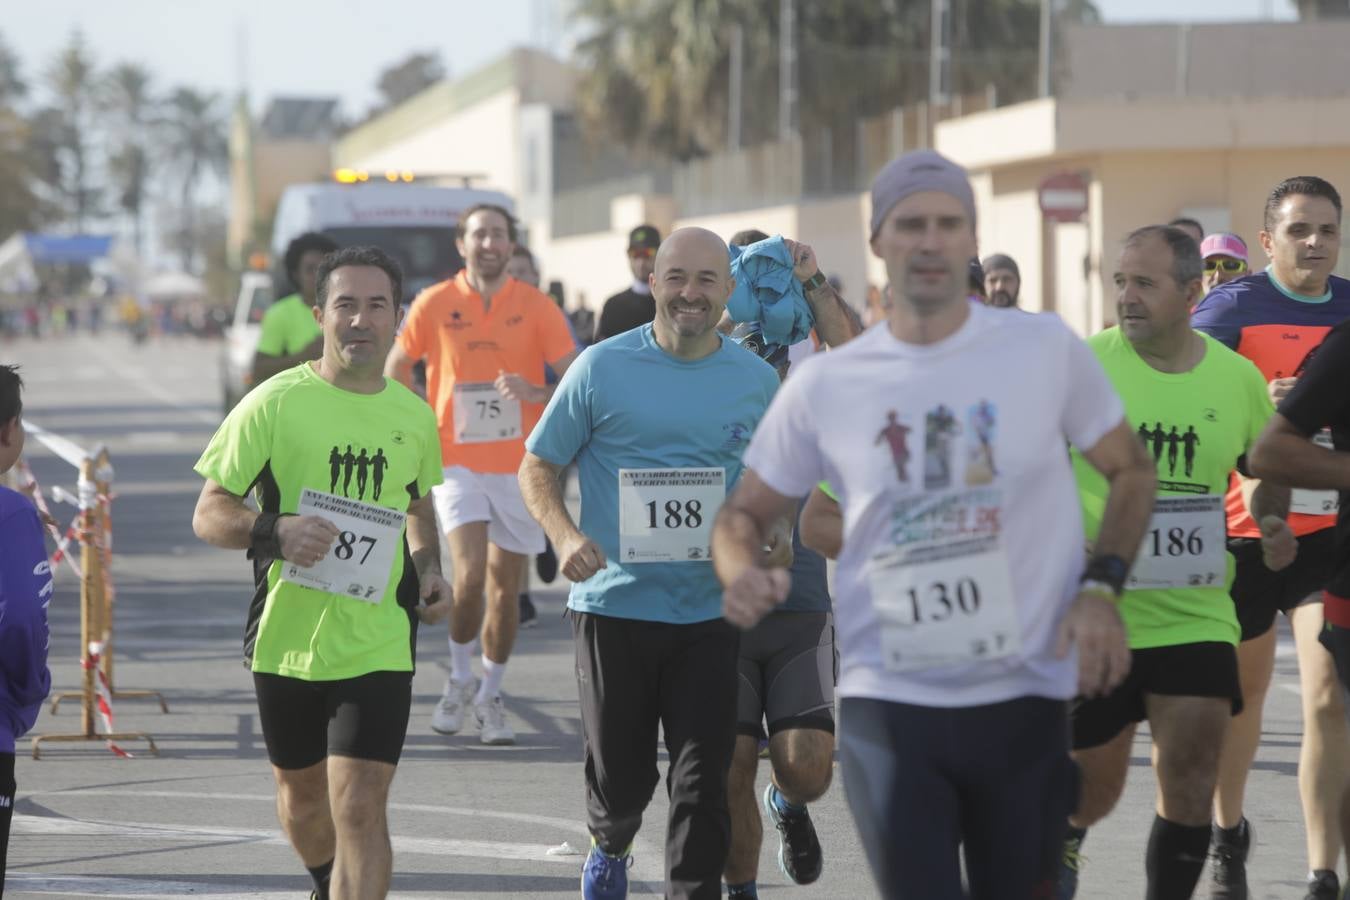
x: 464, y: 346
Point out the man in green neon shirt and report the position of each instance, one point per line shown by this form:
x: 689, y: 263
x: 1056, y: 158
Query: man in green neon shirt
x: 290, y: 335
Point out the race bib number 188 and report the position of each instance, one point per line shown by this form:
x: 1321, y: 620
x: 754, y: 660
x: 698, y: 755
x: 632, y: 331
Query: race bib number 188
x: 666, y: 515
x: 361, y: 559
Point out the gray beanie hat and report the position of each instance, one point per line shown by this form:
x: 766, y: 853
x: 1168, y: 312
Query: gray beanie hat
x: 919, y: 170
x: 1001, y: 261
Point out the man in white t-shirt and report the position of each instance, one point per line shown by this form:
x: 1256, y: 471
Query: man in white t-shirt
x: 961, y: 591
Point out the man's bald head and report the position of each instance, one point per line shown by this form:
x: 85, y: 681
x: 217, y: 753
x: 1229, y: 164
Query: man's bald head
x: 693, y: 244
x: 691, y: 285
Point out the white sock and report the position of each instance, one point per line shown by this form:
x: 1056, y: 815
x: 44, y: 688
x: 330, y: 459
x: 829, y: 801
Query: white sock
x: 461, y: 661
x: 493, y: 672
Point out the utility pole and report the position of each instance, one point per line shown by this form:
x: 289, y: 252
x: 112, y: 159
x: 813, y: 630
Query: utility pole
x: 787, y: 69
x: 940, y: 55
x: 737, y: 65
x: 1047, y: 49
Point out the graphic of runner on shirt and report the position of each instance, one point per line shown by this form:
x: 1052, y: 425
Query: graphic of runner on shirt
x: 362, y: 464
x: 348, y: 460
x: 896, y: 434
x: 1159, y: 438
x: 1144, y: 434
x: 378, y: 463
x: 940, y: 428
x: 1189, y: 441
x: 1173, y: 445
x: 334, y: 467
x: 983, y: 419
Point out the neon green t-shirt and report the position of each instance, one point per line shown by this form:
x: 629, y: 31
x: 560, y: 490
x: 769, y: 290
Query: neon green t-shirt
x: 297, y: 431
x: 1195, y: 424
x: 288, y: 327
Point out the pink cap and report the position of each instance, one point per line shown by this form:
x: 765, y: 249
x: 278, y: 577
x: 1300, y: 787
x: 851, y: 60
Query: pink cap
x: 1222, y: 243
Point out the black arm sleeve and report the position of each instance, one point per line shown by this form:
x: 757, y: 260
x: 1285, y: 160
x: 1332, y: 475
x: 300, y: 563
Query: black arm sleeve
x: 1321, y: 397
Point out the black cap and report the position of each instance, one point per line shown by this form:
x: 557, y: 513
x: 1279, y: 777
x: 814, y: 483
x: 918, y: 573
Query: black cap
x: 644, y: 237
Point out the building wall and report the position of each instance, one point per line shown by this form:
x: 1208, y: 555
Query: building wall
x: 481, y: 139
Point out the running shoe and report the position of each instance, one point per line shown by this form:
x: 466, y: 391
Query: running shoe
x: 529, y: 616
x: 492, y: 727
x: 448, y: 717
x: 1323, y: 884
x: 546, y: 563
x: 798, y: 847
x: 1070, y: 865
x: 1228, y: 872
x: 604, y: 877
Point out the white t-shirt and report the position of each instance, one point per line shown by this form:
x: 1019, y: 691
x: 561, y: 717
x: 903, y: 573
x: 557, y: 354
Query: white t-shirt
x: 949, y: 461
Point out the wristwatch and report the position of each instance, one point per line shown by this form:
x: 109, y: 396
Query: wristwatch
x: 1092, y: 586
x: 815, y: 282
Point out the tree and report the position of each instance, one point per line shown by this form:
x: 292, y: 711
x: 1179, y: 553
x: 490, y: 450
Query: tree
x: 13, y: 88
x: 130, y: 109
x: 196, y: 144
x: 71, y: 76
x: 657, y: 70
x: 22, y: 206
x: 411, y: 76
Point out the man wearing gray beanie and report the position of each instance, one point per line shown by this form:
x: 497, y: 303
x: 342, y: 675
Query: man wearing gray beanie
x: 965, y: 615
x: 1002, y: 280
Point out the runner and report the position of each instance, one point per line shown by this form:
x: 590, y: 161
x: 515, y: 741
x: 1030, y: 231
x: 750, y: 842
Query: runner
x: 331, y: 628
x: 955, y: 670
x: 1289, y: 452
x: 1182, y: 628
x: 486, y: 339
x: 1275, y: 318
x: 1002, y: 280
x: 656, y: 419
x: 289, y: 335
x: 25, y: 591
x: 1225, y: 258
x: 787, y: 669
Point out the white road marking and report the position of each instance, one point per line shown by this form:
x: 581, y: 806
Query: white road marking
x: 144, y: 382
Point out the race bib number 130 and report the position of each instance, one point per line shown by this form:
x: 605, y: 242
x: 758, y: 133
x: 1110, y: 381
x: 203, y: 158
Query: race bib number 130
x: 362, y: 558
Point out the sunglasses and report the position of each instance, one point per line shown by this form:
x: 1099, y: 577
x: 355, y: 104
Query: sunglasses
x: 641, y: 253
x: 1228, y: 265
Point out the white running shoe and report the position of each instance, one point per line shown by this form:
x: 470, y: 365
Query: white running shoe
x: 448, y: 717
x: 492, y: 727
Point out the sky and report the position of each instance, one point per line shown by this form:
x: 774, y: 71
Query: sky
x: 338, y: 47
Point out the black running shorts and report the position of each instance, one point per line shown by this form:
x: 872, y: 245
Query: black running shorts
x: 1260, y: 593
x: 303, y: 722
x: 788, y: 668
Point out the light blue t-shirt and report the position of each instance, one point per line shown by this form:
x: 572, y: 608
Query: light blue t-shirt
x: 627, y: 404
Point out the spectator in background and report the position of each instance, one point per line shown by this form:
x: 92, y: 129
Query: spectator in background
x: 1225, y: 258
x: 1002, y: 280
x: 1191, y: 227
x: 975, y: 280
x: 634, y: 306
x: 522, y: 267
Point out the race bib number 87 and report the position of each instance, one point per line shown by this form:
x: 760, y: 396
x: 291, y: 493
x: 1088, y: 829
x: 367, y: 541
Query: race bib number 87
x: 362, y: 558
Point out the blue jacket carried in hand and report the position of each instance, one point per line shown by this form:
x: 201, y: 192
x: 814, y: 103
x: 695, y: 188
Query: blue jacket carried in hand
x: 768, y: 292
x: 25, y: 591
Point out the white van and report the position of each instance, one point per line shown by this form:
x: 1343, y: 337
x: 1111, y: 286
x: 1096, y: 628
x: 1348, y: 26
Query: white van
x: 412, y: 222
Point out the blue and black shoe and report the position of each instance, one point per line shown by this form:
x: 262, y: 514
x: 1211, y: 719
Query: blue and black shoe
x: 799, y: 853
x: 605, y: 877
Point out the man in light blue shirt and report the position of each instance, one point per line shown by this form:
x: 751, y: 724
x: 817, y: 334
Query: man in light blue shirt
x: 657, y: 419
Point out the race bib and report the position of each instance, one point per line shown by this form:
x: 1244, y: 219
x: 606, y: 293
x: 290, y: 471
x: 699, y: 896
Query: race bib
x: 1184, y: 545
x: 666, y: 515
x: 361, y: 559
x: 1316, y: 503
x: 483, y: 415
x: 944, y: 595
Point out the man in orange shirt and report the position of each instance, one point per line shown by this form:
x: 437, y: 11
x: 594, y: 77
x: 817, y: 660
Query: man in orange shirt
x: 485, y: 338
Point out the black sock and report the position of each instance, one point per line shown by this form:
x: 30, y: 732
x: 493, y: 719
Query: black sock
x: 1175, y: 857
x: 7, y: 790
x: 321, y: 875
x: 1075, y: 833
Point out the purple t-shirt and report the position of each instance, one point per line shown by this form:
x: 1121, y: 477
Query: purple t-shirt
x: 25, y: 591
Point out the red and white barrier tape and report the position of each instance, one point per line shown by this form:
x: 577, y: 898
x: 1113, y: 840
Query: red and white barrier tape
x: 62, y: 541
x: 103, y: 694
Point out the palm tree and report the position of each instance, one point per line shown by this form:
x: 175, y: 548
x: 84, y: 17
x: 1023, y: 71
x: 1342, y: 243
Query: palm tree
x: 72, y: 79
x: 130, y: 107
x: 196, y: 144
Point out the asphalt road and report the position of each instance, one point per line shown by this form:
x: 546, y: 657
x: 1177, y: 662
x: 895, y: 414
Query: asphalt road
x: 467, y: 820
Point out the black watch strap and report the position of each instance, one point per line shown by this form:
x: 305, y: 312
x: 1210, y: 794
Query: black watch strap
x: 1110, y: 569
x: 815, y: 282
x: 262, y: 537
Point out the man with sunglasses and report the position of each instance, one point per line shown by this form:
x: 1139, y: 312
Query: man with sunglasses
x: 633, y: 306
x: 1225, y: 256
x: 1276, y: 318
